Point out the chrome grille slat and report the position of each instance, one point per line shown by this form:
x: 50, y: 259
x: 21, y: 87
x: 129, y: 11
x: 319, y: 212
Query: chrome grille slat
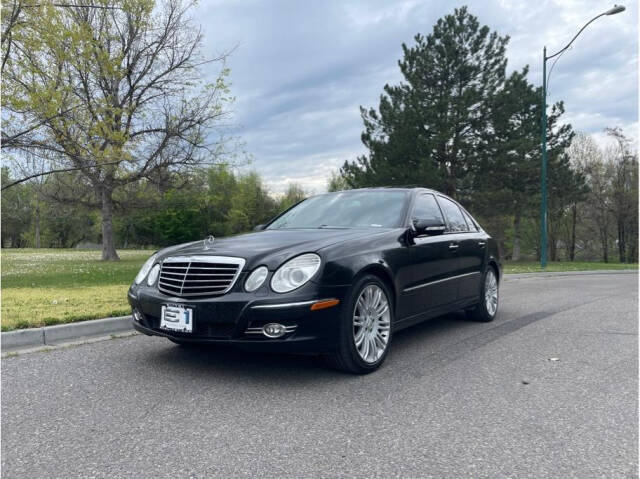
x: 186, y: 288
x: 211, y: 269
x: 200, y: 274
x: 190, y: 276
x: 207, y: 280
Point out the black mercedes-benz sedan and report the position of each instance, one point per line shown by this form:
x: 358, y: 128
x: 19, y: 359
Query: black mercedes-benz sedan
x: 337, y: 275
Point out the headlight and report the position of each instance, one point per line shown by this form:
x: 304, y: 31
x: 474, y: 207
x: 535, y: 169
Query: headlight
x: 145, y: 268
x: 255, y: 279
x: 153, y: 275
x: 295, y: 272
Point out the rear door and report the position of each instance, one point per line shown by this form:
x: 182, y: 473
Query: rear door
x: 473, y: 249
x: 470, y: 248
x: 433, y: 263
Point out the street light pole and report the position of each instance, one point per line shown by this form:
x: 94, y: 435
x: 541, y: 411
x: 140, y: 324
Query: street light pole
x: 543, y: 203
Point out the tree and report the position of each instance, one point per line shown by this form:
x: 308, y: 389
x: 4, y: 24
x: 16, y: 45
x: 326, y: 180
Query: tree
x: 611, y: 205
x: 427, y: 129
x: 508, y: 173
x: 116, y: 92
x: 624, y: 193
x: 16, y: 212
x: 336, y: 182
x: 599, y: 200
x: 583, y: 154
x: 294, y: 194
x: 566, y: 185
x: 251, y: 204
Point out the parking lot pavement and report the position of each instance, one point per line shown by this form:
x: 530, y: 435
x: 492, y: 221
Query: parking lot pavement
x: 549, y: 389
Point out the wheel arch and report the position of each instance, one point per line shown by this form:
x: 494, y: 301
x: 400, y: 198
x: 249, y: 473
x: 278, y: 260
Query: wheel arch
x: 385, y: 276
x: 494, y: 264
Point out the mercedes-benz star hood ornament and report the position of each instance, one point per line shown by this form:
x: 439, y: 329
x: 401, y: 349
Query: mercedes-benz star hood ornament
x: 208, y: 242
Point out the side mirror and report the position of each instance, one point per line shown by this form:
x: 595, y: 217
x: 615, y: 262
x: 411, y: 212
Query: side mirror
x: 428, y: 227
x: 258, y: 228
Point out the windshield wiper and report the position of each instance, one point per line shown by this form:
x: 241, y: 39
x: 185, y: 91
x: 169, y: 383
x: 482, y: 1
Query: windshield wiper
x: 321, y: 227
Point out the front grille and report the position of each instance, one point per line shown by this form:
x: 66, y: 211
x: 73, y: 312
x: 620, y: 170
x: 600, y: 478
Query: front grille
x: 191, y: 276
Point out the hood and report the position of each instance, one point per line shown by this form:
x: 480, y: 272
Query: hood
x: 269, y: 247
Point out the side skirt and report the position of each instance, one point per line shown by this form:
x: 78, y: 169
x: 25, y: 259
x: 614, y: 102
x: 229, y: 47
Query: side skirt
x: 433, y: 313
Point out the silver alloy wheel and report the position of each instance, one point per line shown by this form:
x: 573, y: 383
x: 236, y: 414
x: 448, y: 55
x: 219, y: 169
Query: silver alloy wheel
x: 491, y: 292
x: 371, y: 323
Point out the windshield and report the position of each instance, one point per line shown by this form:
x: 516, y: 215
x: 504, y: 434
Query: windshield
x: 346, y: 209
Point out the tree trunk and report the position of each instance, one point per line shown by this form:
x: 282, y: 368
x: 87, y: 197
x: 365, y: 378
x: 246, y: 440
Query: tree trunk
x: 450, y: 185
x: 552, y: 245
x: 622, y: 246
x: 37, y: 226
x: 572, y: 244
x: 605, y: 246
x: 632, y: 253
x: 515, y: 256
x: 108, y: 243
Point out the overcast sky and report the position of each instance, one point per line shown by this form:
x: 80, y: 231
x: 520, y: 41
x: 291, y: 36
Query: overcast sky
x: 301, y: 69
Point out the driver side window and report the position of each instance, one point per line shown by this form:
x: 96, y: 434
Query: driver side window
x: 426, y: 208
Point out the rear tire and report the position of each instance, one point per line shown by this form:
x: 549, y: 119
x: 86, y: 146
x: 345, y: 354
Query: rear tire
x: 487, y: 308
x: 366, y: 324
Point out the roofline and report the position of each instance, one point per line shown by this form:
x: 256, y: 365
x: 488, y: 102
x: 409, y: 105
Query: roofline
x: 387, y: 188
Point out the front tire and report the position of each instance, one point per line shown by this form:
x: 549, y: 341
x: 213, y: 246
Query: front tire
x: 487, y: 308
x: 365, y: 327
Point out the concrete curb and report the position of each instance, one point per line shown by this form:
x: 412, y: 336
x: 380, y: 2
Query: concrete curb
x: 540, y: 274
x: 60, y: 333
x: 22, y: 338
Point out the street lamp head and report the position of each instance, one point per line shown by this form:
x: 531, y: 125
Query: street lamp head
x: 615, y: 9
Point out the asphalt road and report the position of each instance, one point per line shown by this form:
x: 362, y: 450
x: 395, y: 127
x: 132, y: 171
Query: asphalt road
x: 451, y: 400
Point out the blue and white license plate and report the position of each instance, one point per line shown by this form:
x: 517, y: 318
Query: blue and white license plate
x: 176, y: 317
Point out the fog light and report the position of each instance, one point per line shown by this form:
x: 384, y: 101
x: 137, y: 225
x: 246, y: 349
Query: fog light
x: 273, y: 330
x: 137, y: 315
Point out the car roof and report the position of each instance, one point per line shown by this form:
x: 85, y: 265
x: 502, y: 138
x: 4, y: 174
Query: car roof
x: 395, y: 188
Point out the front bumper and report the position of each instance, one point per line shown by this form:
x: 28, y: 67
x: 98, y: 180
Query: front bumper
x: 234, y: 317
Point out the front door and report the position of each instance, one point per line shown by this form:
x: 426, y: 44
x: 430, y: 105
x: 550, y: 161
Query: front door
x: 435, y: 263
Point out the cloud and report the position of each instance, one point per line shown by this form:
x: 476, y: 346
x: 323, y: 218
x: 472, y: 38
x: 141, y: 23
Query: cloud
x: 301, y: 70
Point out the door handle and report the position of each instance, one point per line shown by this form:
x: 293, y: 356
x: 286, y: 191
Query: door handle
x: 482, y: 243
x: 454, y: 246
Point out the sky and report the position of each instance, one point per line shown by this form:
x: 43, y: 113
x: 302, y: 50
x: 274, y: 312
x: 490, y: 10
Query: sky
x: 300, y: 70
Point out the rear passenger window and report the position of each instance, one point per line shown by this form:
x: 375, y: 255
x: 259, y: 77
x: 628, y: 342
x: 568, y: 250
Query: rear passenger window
x: 454, y: 215
x: 470, y: 223
x: 426, y: 208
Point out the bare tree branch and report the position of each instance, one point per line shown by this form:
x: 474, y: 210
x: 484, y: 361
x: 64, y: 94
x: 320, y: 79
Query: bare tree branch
x: 50, y: 172
x: 120, y: 98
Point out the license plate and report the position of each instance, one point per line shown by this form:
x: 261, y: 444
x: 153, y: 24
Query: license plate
x: 176, y: 317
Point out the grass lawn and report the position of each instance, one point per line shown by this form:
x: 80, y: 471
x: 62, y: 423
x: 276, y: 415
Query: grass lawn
x: 51, y: 286
x: 556, y: 266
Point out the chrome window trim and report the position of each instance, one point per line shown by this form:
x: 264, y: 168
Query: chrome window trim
x: 424, y: 285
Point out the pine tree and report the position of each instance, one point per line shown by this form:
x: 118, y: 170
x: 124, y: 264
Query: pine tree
x: 509, y: 167
x: 427, y: 129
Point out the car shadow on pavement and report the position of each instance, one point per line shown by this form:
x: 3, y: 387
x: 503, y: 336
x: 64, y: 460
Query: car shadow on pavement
x: 220, y: 361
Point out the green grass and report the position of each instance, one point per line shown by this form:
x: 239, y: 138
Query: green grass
x: 557, y: 266
x: 51, y: 286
